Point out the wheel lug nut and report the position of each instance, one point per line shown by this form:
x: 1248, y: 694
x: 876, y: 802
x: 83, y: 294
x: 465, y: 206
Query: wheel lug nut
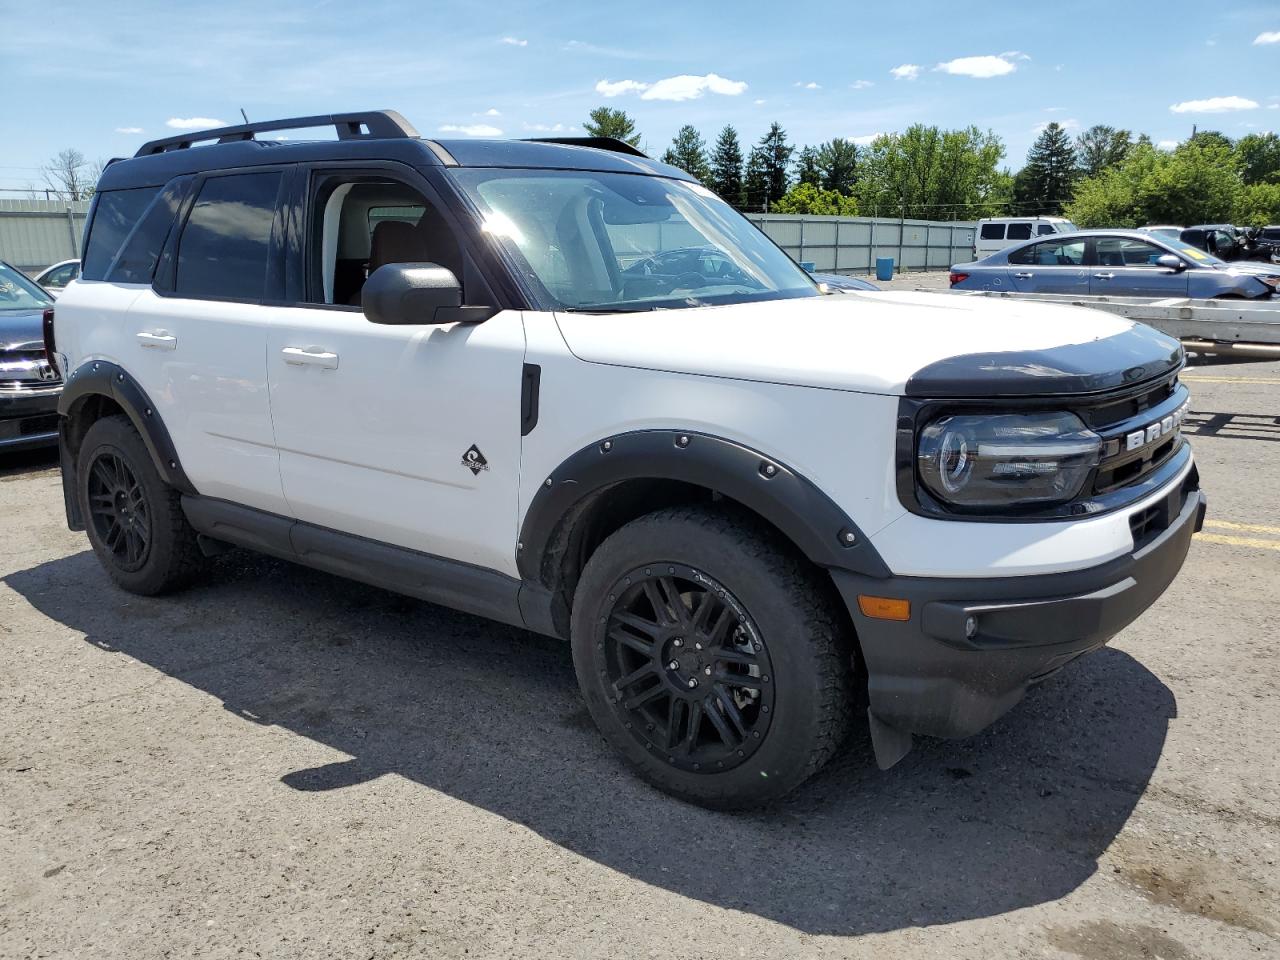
x: 692, y: 683
x: 697, y: 646
x: 674, y: 665
x: 707, y: 671
x: 677, y: 642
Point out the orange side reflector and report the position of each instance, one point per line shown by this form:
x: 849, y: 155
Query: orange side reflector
x: 884, y: 608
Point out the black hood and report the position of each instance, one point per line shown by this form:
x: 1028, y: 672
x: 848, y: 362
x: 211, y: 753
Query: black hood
x: 22, y: 329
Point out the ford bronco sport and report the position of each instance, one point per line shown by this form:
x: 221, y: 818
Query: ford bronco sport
x: 475, y: 373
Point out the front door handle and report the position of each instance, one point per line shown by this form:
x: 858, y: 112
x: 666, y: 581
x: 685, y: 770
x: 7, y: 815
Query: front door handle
x: 310, y: 357
x: 157, y: 340
x: 1024, y: 276
x: 1104, y: 276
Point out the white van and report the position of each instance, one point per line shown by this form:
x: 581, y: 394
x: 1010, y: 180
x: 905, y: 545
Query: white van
x: 996, y: 233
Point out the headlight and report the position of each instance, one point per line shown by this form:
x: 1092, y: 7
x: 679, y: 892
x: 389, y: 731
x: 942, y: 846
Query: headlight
x: 1010, y: 459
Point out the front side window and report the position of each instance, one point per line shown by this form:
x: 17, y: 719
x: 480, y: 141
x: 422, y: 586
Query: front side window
x: 1051, y: 253
x: 992, y: 231
x: 59, y: 277
x: 224, y: 247
x: 1019, y: 231
x: 604, y: 242
x: 17, y: 293
x: 1127, y: 252
x: 115, y: 212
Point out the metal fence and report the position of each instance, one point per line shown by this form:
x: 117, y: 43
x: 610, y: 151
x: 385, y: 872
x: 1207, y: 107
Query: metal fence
x: 36, y: 233
x: 852, y: 244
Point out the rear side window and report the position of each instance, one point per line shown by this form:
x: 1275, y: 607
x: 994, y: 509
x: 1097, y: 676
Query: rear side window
x: 136, y: 262
x: 1044, y: 229
x: 992, y: 231
x: 1019, y: 231
x: 115, y: 213
x: 223, y: 250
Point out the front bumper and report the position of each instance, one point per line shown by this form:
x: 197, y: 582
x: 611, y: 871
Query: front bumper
x: 28, y: 417
x: 972, y: 647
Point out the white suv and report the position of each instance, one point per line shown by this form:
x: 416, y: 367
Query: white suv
x: 566, y: 387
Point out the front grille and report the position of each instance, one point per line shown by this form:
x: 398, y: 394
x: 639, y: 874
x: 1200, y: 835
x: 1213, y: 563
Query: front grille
x: 1117, y: 418
x: 22, y: 369
x: 1150, y: 522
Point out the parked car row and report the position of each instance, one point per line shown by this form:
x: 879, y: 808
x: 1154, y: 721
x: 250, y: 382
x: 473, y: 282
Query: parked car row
x: 1128, y: 263
x: 29, y: 386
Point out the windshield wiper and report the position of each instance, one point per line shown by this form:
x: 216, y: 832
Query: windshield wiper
x: 590, y: 309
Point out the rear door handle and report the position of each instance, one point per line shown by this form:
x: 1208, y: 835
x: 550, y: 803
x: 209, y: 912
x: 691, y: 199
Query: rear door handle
x: 1104, y: 276
x: 310, y: 357
x: 159, y: 340
x: 1024, y: 276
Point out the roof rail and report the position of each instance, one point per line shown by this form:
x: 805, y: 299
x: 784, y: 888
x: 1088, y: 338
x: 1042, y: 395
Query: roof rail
x: 612, y: 144
x: 368, y: 125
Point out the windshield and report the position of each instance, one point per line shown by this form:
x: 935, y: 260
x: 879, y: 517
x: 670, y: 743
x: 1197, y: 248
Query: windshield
x: 19, y: 293
x: 1194, y: 253
x: 614, y: 242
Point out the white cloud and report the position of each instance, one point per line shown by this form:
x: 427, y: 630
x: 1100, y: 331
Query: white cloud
x: 1069, y: 124
x: 687, y: 87
x: 864, y: 140
x: 809, y: 86
x: 514, y: 42
x: 492, y: 112
x: 472, y: 129
x: 759, y: 102
x: 906, y: 71
x: 861, y: 84
x: 1271, y: 36
x: 982, y: 68
x: 194, y: 123
x: 1215, y: 105
x: 1015, y: 55
x: 1273, y: 106
x: 1167, y: 144
x: 128, y: 129
x: 684, y: 87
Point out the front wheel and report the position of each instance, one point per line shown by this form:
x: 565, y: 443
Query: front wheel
x: 710, y: 658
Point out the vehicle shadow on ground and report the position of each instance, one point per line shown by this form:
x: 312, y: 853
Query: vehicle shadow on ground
x: 27, y: 461
x: 491, y: 715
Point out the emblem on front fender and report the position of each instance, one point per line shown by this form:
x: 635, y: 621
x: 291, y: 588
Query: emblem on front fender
x: 474, y: 460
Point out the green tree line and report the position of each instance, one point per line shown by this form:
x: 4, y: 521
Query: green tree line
x: 1104, y: 176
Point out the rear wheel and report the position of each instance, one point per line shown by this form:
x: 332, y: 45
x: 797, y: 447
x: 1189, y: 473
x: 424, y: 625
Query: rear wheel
x: 709, y: 657
x: 133, y: 518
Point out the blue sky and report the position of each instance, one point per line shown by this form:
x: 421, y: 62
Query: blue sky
x: 104, y: 77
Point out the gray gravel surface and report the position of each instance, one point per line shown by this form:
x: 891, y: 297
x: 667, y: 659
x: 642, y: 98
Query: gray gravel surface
x: 278, y: 763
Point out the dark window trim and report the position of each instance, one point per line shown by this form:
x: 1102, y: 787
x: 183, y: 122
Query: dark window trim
x: 178, y: 185
x: 92, y: 220
x: 167, y: 269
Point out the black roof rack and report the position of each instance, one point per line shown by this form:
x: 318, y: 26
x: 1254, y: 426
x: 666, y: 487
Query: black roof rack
x: 368, y: 125
x: 599, y: 143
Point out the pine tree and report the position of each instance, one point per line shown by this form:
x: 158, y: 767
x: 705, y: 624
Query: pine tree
x: 755, y: 187
x: 776, y: 156
x: 608, y: 122
x: 1045, y: 183
x: 726, y: 167
x: 838, y: 163
x: 688, y: 151
x: 1101, y: 147
x: 807, y: 170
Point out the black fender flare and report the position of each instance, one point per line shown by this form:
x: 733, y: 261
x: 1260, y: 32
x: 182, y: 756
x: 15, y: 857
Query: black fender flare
x: 106, y: 379
x: 761, y: 483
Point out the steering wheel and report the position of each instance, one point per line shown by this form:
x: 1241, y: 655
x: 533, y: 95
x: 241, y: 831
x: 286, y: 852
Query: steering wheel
x: 688, y: 280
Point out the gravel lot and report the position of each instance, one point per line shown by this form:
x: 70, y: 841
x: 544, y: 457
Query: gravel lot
x: 282, y: 764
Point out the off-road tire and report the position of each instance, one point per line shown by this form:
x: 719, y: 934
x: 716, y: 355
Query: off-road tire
x: 171, y: 557
x: 807, y: 648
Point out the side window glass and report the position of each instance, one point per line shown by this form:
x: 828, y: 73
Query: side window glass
x: 59, y: 278
x: 114, y: 215
x: 1044, y: 228
x: 1059, y: 253
x: 360, y: 224
x: 1019, y: 231
x: 136, y: 262
x: 224, y: 247
x: 992, y: 231
x: 1124, y: 252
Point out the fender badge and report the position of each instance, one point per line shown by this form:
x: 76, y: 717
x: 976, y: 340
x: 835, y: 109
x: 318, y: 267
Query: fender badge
x: 474, y: 460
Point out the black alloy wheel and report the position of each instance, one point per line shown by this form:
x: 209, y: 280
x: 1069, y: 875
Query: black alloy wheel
x: 119, y: 511
x: 689, y: 673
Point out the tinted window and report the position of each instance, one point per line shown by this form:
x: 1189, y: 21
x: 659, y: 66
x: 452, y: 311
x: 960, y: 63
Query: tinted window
x: 1051, y: 253
x: 1124, y: 252
x: 222, y: 252
x: 60, y: 277
x: 992, y: 231
x: 136, y: 263
x: 1019, y: 231
x: 114, y: 215
x: 1043, y: 229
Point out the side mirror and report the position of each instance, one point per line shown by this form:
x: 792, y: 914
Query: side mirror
x: 405, y: 294
x: 1171, y: 262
